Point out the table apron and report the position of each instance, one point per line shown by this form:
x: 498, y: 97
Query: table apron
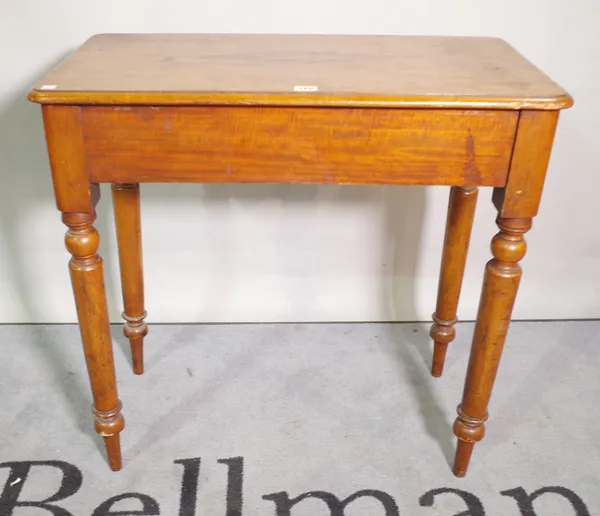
x: 225, y: 144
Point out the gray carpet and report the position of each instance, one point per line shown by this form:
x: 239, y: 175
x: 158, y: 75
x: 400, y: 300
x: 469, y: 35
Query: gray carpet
x: 301, y: 420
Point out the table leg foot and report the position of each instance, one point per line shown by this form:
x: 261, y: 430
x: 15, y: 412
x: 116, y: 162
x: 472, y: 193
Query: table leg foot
x: 113, y: 450
x: 462, y: 458
x: 137, y: 354
x: 443, y: 333
x: 135, y: 329
x: 109, y: 424
x: 461, y: 211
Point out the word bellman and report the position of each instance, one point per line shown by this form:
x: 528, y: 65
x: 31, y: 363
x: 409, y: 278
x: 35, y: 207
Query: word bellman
x: 382, y: 503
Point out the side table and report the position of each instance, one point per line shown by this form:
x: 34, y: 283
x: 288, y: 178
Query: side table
x: 465, y: 112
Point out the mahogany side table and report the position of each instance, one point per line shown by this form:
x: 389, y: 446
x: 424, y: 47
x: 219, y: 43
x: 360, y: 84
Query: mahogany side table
x: 465, y: 112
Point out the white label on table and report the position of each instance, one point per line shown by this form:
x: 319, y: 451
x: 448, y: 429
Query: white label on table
x: 306, y: 88
x: 49, y: 87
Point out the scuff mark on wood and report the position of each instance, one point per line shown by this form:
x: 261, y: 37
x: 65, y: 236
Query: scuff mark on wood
x: 472, y: 173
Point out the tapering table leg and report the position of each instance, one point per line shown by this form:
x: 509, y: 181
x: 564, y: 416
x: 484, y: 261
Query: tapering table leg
x: 461, y: 210
x: 500, y: 284
x: 126, y: 201
x: 88, y: 286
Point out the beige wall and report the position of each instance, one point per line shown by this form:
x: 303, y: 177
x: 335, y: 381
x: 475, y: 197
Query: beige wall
x: 300, y: 253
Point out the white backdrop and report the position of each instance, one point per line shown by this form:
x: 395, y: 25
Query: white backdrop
x: 299, y: 253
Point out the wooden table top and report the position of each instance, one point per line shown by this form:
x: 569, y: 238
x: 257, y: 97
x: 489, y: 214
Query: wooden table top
x: 299, y: 70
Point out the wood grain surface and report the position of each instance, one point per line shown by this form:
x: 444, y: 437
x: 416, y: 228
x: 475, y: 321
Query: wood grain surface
x: 72, y: 189
x: 126, y: 206
x: 299, y: 109
x: 87, y: 278
x: 391, y: 71
x: 459, y: 223
x: 531, y: 155
x: 300, y: 145
x: 498, y: 294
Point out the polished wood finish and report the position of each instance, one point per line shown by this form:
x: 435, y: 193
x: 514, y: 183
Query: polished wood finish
x: 64, y: 137
x: 76, y: 197
x: 521, y: 197
x: 500, y: 283
x: 463, y: 112
x: 126, y: 202
x: 302, y: 145
x: 259, y: 69
x: 461, y: 212
x: 88, y: 287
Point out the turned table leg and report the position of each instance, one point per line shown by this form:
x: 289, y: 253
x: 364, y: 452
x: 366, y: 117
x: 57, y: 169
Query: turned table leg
x: 500, y: 284
x: 126, y: 201
x: 461, y: 210
x: 88, y: 286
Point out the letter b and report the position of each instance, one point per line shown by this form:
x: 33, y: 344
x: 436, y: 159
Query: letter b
x: 19, y: 471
